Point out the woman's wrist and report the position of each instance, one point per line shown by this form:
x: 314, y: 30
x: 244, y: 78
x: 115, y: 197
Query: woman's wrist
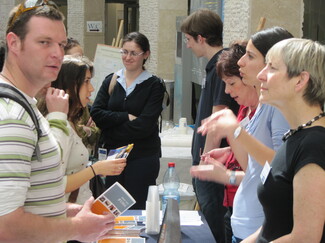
x: 234, y: 131
x: 93, y: 170
x: 232, y: 178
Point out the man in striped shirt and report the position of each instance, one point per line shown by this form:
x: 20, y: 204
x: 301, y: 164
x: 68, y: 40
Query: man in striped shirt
x: 32, y: 203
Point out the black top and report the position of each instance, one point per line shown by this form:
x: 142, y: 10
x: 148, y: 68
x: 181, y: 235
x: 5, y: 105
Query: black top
x: 212, y: 94
x: 276, y: 195
x: 110, y: 113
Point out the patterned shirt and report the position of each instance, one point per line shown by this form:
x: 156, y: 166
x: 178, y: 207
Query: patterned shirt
x: 25, y: 181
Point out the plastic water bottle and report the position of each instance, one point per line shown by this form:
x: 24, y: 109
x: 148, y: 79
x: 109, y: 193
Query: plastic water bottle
x: 171, y: 185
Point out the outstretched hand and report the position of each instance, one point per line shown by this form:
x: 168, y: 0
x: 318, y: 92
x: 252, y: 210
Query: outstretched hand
x: 222, y: 122
x: 213, y: 171
x: 219, y: 154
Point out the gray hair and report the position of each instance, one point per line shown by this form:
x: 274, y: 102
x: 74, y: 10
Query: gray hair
x: 304, y: 55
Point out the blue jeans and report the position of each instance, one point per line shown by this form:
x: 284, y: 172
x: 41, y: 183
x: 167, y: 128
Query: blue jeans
x: 210, y: 199
x: 236, y: 240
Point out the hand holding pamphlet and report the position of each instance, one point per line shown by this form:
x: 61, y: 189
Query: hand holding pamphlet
x: 121, y: 152
x: 117, y: 153
x: 127, y: 228
x: 115, y: 199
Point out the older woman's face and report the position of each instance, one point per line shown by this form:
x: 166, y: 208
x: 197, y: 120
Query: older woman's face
x: 243, y: 94
x: 276, y: 87
x: 251, y: 64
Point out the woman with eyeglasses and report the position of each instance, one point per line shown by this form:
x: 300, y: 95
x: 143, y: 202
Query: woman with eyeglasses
x: 129, y: 114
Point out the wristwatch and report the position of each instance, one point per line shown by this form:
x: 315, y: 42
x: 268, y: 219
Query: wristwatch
x: 232, y: 178
x: 237, y: 132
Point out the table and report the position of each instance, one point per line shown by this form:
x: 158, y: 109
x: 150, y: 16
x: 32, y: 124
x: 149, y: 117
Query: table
x: 190, y: 234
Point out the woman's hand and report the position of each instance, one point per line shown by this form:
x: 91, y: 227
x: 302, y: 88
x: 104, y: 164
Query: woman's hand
x: 219, y: 154
x: 109, y: 167
x: 57, y: 100
x: 86, y: 129
x: 223, y: 123
x: 212, y: 171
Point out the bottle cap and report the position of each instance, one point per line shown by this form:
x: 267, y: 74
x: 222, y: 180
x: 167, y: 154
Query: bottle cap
x: 171, y: 164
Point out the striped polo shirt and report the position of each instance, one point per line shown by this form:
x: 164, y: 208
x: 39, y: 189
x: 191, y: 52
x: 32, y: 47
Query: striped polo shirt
x: 25, y: 181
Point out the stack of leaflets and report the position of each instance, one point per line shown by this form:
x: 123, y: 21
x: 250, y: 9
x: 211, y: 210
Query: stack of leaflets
x: 129, y: 225
x: 130, y: 220
x: 117, y: 200
x: 127, y: 229
x: 123, y: 240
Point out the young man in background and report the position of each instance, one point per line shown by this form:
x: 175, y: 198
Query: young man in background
x: 203, y: 33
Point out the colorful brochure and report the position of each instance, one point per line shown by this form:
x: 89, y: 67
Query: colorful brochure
x: 123, y: 240
x: 121, y: 152
x: 115, y: 199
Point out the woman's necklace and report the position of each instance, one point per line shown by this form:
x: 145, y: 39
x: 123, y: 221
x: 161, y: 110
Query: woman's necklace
x: 307, y: 124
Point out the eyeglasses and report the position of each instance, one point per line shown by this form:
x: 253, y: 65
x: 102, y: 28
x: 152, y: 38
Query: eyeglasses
x: 29, y: 5
x: 124, y: 53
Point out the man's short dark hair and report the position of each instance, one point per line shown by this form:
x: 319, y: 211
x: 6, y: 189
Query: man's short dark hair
x: 206, y: 23
x: 18, y: 25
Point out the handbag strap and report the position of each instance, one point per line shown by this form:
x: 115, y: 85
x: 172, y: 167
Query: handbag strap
x: 112, y: 84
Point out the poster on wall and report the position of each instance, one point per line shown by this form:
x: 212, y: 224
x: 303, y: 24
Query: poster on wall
x: 107, y: 60
x: 95, y: 26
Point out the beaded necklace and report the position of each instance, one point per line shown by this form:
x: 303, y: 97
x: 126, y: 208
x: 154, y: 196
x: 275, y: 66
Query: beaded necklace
x: 307, y: 124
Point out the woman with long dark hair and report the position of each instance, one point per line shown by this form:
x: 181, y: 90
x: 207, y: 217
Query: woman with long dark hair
x: 74, y: 78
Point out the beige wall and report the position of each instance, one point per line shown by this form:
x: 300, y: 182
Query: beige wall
x: 236, y: 20
x: 241, y: 17
x: 6, y: 6
x: 75, y: 20
x: 94, y: 11
x: 287, y: 14
x: 158, y: 23
x: 114, y: 12
x: 79, y: 12
x: 168, y: 10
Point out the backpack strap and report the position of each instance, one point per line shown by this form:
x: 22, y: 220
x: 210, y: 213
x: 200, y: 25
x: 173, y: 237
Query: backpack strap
x: 7, y: 91
x: 112, y: 84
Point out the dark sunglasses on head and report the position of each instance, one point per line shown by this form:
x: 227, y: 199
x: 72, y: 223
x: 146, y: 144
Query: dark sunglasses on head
x: 29, y: 5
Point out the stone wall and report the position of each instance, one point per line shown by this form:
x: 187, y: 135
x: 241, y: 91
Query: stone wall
x: 76, y: 18
x: 6, y: 6
x: 241, y: 17
x: 236, y: 20
x: 158, y: 22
